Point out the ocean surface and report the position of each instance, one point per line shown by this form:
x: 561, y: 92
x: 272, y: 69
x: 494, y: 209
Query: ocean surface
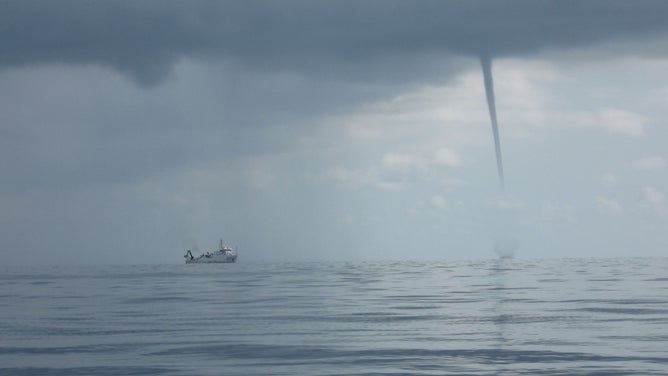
x: 493, y: 317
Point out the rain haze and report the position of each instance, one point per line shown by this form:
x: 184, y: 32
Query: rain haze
x: 335, y: 130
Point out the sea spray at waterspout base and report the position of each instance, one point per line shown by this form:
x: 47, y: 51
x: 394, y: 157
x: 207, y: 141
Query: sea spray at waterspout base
x: 486, y: 63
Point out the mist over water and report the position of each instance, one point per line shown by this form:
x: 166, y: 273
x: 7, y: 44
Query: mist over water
x: 486, y: 317
x: 503, y: 227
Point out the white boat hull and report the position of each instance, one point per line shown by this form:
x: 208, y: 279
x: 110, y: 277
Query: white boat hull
x: 223, y: 256
x: 213, y: 259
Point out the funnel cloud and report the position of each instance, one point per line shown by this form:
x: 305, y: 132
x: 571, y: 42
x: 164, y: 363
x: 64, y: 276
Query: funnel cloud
x: 486, y: 63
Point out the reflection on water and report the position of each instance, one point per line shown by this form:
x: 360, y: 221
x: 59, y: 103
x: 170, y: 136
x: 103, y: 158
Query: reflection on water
x: 494, y: 317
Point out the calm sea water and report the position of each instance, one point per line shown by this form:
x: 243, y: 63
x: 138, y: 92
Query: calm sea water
x: 496, y: 317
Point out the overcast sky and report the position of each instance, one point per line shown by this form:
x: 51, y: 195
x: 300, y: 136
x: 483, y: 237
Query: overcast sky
x: 331, y: 130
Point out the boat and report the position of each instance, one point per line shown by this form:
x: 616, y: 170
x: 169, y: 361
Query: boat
x: 224, y: 254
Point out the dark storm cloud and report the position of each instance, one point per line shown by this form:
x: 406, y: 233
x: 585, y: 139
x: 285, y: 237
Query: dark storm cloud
x: 373, y: 40
x: 265, y: 63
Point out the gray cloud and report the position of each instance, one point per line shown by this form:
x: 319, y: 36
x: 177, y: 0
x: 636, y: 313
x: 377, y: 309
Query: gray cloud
x: 262, y: 63
x: 371, y: 40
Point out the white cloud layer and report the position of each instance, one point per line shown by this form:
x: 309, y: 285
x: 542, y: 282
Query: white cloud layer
x: 650, y: 163
x: 608, y: 205
x: 622, y: 122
